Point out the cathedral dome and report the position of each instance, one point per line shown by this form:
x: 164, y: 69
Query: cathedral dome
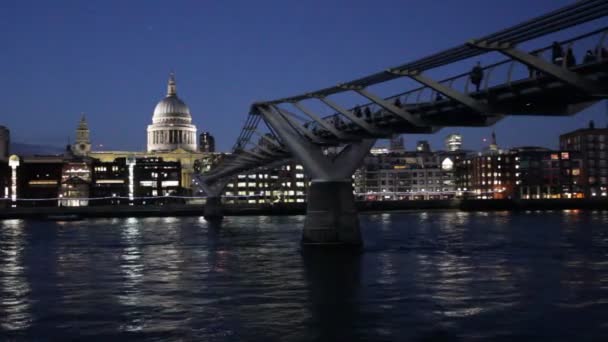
x: 171, y: 108
x: 171, y: 127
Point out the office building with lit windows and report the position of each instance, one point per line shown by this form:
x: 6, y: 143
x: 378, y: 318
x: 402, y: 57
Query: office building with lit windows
x: 75, y: 183
x: 283, y: 184
x: 523, y: 172
x: 592, y: 145
x: 406, y: 175
x: 543, y: 173
x: 38, y: 180
x: 136, y: 180
x: 110, y: 182
x: 486, y: 175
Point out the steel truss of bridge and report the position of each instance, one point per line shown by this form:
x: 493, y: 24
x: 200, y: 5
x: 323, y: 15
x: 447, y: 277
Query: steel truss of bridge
x: 526, y: 82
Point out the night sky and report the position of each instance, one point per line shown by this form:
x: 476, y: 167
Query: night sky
x: 111, y: 60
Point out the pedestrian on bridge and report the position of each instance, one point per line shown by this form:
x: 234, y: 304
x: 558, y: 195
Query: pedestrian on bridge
x: 570, y: 58
x: 589, y: 57
x: 557, y: 53
x: 476, y: 75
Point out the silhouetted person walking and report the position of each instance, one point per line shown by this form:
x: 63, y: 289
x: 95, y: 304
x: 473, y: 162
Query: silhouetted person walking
x: 368, y: 114
x: 570, y: 59
x: 557, y: 53
x: 476, y: 75
x: 589, y: 57
x: 397, y: 102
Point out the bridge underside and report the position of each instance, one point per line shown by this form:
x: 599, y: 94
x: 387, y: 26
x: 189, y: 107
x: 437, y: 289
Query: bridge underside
x: 540, y: 96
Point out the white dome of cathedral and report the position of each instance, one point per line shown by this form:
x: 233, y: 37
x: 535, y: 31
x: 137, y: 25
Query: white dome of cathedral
x: 171, y: 107
x: 171, y: 124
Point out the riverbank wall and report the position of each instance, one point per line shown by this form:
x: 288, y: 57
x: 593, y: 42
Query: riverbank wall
x: 298, y: 208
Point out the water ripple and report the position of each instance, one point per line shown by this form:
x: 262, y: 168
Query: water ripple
x: 429, y: 275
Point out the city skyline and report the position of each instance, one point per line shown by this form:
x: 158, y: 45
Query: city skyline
x: 111, y: 62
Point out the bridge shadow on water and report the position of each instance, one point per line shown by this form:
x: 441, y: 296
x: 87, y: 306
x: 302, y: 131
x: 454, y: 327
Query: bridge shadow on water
x: 333, y: 278
x: 337, y: 300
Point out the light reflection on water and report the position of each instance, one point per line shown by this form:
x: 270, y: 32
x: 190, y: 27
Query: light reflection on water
x: 439, y: 275
x: 14, y: 287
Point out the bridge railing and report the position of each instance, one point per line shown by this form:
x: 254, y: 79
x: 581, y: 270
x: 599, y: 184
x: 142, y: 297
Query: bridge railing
x: 508, y: 71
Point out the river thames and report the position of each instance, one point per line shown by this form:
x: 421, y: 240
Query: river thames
x: 422, y: 276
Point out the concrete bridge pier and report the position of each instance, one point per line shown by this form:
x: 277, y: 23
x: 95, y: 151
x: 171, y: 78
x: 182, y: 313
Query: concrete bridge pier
x: 331, y: 216
x: 213, y: 210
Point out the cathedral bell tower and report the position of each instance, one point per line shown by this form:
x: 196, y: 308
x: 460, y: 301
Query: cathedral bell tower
x: 82, y: 145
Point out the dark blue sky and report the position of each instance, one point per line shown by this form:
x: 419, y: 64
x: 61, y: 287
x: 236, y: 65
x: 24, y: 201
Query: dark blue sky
x: 110, y: 60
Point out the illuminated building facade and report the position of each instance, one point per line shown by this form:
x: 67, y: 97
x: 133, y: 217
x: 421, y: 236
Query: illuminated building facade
x: 543, y: 173
x: 154, y: 177
x: 206, y: 142
x: 39, y: 178
x: 110, y: 182
x: 524, y: 172
x: 135, y: 181
x: 487, y: 176
x: 592, y: 145
x: 406, y: 176
x: 453, y: 142
x: 75, y: 183
x: 283, y: 184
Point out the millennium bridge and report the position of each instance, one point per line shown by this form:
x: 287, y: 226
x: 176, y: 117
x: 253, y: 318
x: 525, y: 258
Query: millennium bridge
x: 533, y: 75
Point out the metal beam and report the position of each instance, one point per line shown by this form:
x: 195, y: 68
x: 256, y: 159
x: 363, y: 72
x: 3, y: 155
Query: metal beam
x: 254, y: 154
x: 563, y: 74
x: 267, y: 139
x: 400, y: 112
x: 265, y: 150
x: 306, y: 151
x: 323, y: 123
x: 466, y: 100
x: 297, y: 126
x: 358, y: 121
x: 246, y: 158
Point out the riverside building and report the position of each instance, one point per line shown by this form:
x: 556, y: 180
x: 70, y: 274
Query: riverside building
x: 388, y: 174
x: 283, y: 184
x: 592, y: 145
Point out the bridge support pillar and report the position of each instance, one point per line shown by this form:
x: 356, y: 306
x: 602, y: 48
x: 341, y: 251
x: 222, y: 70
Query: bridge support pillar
x: 213, y: 210
x: 331, y: 216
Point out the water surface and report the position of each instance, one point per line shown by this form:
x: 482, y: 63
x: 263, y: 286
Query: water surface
x: 422, y: 276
